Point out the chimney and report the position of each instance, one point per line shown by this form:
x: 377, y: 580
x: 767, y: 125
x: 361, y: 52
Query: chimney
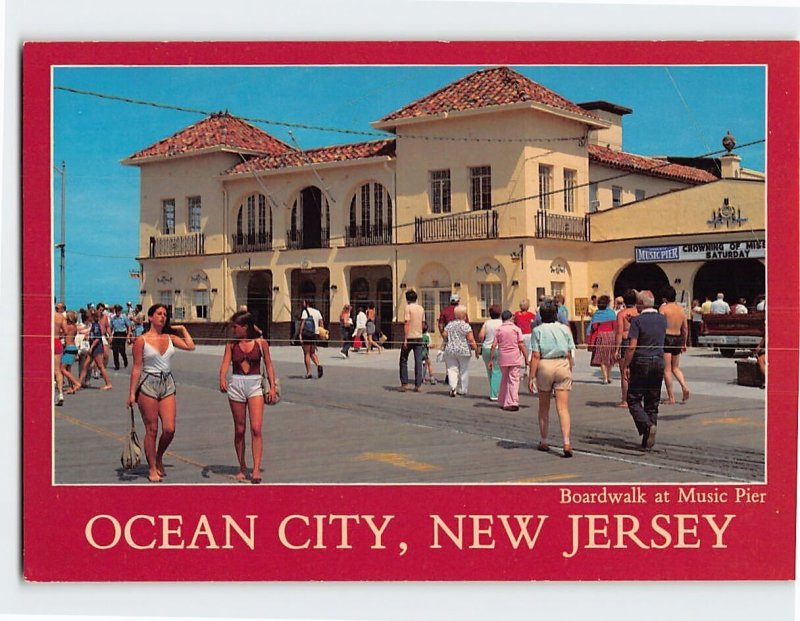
x: 611, y: 137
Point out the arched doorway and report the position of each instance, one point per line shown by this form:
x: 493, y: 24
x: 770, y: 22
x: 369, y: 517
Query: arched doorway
x: 641, y: 276
x: 736, y: 278
x: 259, y: 300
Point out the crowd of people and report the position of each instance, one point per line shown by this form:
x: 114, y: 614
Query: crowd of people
x: 644, y: 341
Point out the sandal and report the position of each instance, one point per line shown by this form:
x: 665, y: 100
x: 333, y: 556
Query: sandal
x: 567, y: 450
x: 543, y: 446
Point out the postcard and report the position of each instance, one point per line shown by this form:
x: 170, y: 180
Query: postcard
x: 415, y: 311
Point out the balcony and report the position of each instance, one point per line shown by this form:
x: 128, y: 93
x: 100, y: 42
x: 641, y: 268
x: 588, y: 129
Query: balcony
x: 457, y: 227
x: 374, y: 235
x: 177, y: 245
x: 251, y: 242
x: 557, y: 226
x: 310, y: 238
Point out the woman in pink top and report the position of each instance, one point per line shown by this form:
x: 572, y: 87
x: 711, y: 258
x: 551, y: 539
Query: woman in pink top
x: 511, y: 354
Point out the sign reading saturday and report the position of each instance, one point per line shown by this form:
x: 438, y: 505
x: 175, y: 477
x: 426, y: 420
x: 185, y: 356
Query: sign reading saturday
x: 702, y: 251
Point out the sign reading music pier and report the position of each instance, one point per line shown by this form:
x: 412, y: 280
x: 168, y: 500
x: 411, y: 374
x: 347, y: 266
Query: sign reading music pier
x: 702, y: 251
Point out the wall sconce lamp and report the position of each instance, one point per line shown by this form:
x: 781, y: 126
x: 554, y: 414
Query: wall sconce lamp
x: 403, y: 285
x: 456, y: 285
x: 515, y: 283
x: 177, y: 291
x: 595, y: 285
x: 275, y: 289
x: 678, y: 281
x: 333, y: 288
x: 214, y: 291
x: 143, y: 292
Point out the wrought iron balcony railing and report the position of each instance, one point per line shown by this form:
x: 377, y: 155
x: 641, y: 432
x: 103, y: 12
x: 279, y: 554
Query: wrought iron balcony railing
x: 558, y: 226
x: 473, y: 225
x: 252, y: 242
x: 373, y: 235
x: 177, y: 245
x: 297, y: 238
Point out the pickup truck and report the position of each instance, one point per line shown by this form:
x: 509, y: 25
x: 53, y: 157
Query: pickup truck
x: 732, y: 332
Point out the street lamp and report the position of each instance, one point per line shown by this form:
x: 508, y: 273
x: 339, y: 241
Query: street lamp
x: 63, y: 243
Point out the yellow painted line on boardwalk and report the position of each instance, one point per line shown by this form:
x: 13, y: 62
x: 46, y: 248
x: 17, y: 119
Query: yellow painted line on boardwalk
x: 121, y: 438
x: 546, y: 478
x: 731, y: 420
x: 399, y: 461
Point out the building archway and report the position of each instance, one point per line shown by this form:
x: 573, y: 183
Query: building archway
x: 641, y: 276
x: 259, y: 300
x: 736, y: 278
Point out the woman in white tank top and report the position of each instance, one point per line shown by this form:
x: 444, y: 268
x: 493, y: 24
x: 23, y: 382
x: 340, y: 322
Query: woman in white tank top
x: 152, y: 385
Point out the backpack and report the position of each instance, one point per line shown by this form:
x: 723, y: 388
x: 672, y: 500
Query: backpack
x: 309, y: 327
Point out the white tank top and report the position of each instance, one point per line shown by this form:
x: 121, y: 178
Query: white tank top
x: 153, y: 361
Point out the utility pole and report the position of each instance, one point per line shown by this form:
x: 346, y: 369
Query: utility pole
x: 62, y: 244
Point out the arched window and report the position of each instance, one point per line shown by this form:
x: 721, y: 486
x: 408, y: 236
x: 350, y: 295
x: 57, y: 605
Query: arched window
x: 371, y: 214
x: 310, y: 220
x: 254, y: 222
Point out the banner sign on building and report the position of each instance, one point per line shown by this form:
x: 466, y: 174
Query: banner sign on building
x: 702, y: 251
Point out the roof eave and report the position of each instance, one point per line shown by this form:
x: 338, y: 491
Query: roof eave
x: 392, y: 125
x: 150, y: 159
x: 305, y: 167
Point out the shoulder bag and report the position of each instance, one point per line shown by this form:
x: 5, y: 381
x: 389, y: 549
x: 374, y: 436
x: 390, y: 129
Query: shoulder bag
x: 132, y: 450
x: 265, y: 381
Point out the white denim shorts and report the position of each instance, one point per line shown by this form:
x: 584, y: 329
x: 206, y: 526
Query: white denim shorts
x: 241, y: 388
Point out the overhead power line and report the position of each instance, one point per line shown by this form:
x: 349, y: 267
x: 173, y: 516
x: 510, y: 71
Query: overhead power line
x: 320, y: 128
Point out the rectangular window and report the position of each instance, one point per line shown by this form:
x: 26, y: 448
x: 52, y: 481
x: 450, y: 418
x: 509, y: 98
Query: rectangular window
x: 594, y: 204
x: 570, y: 181
x: 616, y: 196
x: 200, y: 303
x: 194, y: 214
x: 165, y: 298
x: 539, y: 293
x: 490, y: 294
x: 480, y: 183
x: 545, y: 185
x: 440, y: 191
x: 556, y: 288
x: 640, y: 195
x: 168, y: 216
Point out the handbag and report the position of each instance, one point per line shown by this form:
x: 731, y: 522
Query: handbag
x: 132, y: 450
x: 265, y: 381
x: 592, y: 337
x: 324, y: 334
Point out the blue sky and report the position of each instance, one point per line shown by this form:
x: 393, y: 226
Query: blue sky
x: 676, y: 111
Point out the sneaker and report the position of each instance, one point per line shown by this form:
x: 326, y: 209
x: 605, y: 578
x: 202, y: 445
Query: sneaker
x: 319, y: 371
x: 60, y: 400
x: 417, y: 388
x: 343, y: 355
x: 308, y: 376
x: 433, y: 381
x: 651, y: 437
x: 452, y: 392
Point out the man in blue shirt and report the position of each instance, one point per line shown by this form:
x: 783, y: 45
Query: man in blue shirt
x: 120, y: 334
x: 644, y: 367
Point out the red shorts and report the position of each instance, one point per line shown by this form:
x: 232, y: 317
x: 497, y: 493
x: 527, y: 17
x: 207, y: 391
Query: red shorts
x: 58, y: 348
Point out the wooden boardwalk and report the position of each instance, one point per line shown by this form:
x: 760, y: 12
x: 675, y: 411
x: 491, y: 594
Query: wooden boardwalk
x: 354, y: 427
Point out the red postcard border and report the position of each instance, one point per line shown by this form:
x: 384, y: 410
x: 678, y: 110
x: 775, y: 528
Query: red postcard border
x: 55, y: 547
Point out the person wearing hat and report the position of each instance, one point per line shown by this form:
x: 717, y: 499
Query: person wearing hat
x: 447, y: 315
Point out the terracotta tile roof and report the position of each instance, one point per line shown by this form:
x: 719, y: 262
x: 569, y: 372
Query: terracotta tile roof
x: 322, y: 155
x: 216, y: 131
x: 497, y: 86
x: 648, y: 165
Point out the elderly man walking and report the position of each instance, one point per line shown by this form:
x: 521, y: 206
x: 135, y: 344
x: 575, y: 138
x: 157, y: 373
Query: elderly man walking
x: 644, y: 367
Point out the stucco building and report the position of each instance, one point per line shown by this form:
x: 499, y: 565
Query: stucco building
x: 494, y: 187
